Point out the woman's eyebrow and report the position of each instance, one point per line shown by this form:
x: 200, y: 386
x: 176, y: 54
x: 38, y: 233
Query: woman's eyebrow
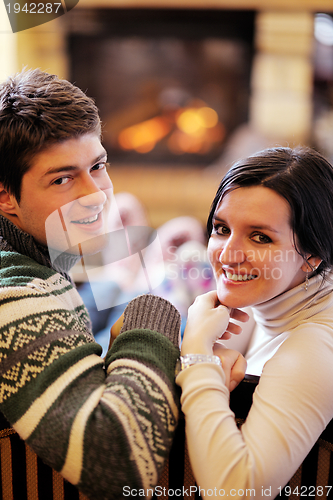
x: 261, y: 227
x: 264, y: 227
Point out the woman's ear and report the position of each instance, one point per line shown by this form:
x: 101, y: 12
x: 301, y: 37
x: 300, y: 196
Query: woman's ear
x: 311, y: 263
x: 8, y: 203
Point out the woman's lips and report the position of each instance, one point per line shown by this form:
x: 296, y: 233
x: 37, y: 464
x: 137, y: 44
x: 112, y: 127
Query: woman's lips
x: 231, y: 275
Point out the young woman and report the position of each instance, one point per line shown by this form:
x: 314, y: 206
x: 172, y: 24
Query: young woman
x: 271, y: 249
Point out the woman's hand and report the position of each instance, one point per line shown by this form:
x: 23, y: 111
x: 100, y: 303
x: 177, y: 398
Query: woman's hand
x: 233, y: 363
x: 209, y: 321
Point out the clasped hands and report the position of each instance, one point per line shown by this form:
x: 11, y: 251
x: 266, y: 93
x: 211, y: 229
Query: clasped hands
x: 208, y: 323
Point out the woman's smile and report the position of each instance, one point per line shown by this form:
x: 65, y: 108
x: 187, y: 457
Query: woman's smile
x: 238, y: 277
x: 251, y: 247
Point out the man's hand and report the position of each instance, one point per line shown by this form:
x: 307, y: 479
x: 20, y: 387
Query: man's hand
x: 115, y: 329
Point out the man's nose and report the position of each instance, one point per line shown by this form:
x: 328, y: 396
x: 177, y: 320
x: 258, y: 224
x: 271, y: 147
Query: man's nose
x: 96, y: 199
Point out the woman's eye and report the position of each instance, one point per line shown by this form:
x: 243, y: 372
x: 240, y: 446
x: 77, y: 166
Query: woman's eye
x: 221, y: 230
x: 61, y: 181
x: 261, y: 238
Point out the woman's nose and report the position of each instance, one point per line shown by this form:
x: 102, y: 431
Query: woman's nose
x: 233, y: 252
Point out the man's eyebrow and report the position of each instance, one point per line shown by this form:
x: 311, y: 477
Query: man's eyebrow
x: 261, y: 227
x: 71, y: 168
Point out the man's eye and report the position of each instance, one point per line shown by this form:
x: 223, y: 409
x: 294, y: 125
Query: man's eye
x: 261, y: 238
x: 61, y: 181
x: 98, y: 166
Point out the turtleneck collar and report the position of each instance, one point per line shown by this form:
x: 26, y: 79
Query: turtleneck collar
x: 287, y: 310
x: 13, y: 238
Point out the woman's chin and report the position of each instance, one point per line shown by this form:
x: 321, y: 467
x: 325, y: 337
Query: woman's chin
x: 233, y: 302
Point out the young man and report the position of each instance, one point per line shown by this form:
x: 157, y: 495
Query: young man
x: 103, y: 424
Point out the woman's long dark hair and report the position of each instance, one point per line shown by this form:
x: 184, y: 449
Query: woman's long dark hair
x: 305, y: 179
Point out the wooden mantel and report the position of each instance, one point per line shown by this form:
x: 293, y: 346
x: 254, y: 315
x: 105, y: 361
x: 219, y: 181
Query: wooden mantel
x: 286, y: 5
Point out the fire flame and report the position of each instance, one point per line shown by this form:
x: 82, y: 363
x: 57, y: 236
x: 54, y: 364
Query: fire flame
x: 193, y: 129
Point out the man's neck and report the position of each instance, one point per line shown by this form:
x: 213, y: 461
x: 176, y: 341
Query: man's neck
x: 12, y: 238
x: 12, y: 218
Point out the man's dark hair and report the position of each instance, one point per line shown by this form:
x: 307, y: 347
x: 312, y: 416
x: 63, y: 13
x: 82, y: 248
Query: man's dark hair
x: 38, y: 109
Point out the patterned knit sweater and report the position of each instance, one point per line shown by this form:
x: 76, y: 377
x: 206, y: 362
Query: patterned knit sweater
x: 103, y: 424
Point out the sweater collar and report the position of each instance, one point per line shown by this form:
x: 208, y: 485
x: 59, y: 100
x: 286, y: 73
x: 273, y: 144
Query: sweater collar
x: 13, y: 238
x: 287, y: 310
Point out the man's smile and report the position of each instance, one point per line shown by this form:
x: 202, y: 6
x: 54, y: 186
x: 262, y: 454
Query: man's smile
x: 88, y: 220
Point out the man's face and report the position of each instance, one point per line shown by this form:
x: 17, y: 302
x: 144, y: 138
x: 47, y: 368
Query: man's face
x: 66, y: 195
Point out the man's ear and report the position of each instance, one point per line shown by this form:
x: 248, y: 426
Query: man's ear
x: 8, y: 203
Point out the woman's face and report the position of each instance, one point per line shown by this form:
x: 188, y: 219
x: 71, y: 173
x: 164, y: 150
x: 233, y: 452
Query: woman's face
x: 251, y: 247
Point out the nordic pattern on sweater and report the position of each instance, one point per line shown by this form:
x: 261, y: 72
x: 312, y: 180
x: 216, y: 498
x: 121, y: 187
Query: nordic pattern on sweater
x: 51, y: 368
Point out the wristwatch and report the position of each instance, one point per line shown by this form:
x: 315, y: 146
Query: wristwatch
x: 192, y: 359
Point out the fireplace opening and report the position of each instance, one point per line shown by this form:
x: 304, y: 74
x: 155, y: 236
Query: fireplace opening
x: 171, y: 85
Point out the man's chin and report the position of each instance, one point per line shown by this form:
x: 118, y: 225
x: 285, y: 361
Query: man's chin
x: 85, y: 248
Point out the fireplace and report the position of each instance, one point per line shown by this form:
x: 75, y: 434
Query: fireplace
x: 171, y: 85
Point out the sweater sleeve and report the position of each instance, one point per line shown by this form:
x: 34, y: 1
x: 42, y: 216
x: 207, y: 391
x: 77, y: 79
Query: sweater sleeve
x: 104, y: 426
x: 291, y: 407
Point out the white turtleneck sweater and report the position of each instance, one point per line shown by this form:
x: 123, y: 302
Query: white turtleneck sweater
x: 291, y: 347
